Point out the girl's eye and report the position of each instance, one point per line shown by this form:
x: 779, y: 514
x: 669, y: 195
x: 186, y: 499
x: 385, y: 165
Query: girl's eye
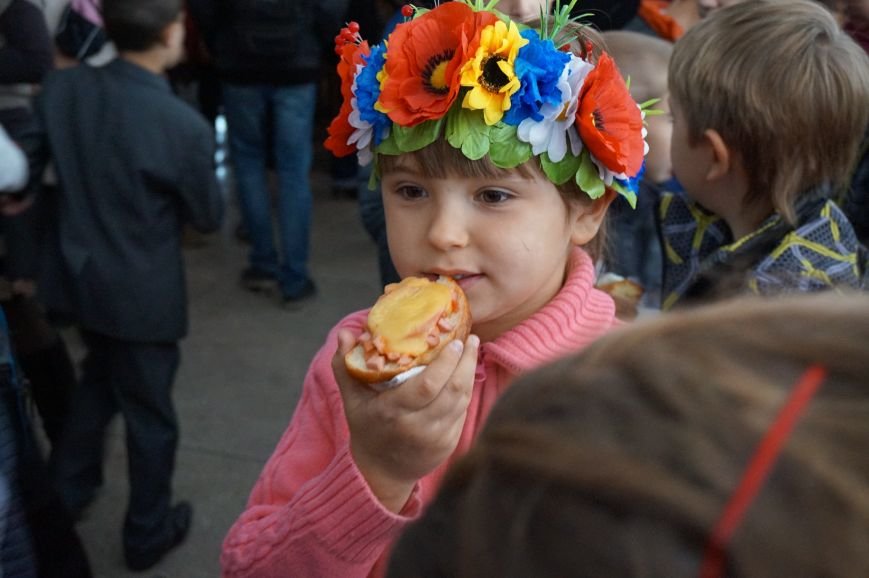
x: 493, y: 196
x: 410, y: 192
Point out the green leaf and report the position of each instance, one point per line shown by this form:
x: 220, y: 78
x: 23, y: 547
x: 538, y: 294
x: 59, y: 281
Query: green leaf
x: 562, y: 171
x: 627, y: 193
x: 505, y: 149
x: 466, y: 130
x: 388, y: 145
x: 414, y: 138
x: 588, y: 179
x: 475, y: 146
x: 374, y: 176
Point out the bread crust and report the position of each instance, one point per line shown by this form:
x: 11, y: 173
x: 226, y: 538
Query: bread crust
x: 355, y: 359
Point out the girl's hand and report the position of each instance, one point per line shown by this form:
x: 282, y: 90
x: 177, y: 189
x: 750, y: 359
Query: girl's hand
x: 399, y: 435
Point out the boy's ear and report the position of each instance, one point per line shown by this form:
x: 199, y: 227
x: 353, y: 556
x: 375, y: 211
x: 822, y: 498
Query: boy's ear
x: 173, y: 33
x: 587, y: 219
x: 721, y: 158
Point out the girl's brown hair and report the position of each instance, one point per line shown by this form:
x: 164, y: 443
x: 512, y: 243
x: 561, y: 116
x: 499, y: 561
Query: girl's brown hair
x: 618, y: 462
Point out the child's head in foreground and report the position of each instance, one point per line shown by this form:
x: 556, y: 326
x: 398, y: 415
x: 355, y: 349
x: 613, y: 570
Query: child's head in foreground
x: 619, y: 462
x: 768, y: 100
x: 498, y: 151
x: 143, y: 25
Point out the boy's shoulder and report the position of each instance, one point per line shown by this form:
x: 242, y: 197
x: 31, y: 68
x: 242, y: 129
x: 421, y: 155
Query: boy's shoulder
x: 85, y: 86
x: 822, y: 252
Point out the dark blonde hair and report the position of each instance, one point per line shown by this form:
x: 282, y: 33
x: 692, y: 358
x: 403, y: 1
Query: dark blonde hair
x: 785, y: 88
x: 617, y: 462
x: 440, y: 159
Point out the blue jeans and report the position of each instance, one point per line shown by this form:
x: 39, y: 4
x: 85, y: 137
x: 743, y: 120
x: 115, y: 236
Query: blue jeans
x: 257, y: 115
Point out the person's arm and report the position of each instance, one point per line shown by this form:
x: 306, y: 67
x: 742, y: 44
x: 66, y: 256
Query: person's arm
x: 27, y: 53
x: 32, y: 142
x: 311, y: 513
x: 200, y: 191
x: 13, y: 165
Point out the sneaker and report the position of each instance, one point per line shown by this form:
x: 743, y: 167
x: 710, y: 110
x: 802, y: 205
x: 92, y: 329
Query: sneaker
x: 180, y: 517
x: 254, y: 279
x: 295, y: 300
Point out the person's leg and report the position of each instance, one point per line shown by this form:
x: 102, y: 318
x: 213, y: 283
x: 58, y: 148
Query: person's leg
x: 294, y: 125
x: 144, y: 373
x: 45, y: 360
x: 246, y: 108
x: 78, y: 455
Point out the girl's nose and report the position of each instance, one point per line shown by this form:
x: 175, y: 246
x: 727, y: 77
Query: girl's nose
x: 447, y: 229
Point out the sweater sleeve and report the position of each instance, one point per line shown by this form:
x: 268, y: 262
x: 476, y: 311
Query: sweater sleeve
x: 311, y: 512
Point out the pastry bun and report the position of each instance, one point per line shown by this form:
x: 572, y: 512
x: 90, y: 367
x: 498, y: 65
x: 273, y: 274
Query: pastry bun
x: 625, y: 293
x: 408, y: 326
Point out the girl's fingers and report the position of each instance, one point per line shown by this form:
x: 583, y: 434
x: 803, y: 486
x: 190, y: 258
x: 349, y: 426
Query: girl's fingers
x: 345, y: 344
x: 456, y: 393
x: 419, y: 392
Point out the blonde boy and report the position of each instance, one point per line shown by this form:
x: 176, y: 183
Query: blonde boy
x: 769, y: 107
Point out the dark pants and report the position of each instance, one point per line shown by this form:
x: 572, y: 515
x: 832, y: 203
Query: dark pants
x: 135, y: 379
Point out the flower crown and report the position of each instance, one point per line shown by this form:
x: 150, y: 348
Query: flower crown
x: 490, y: 86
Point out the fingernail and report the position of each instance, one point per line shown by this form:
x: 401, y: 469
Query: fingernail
x: 457, y: 345
x: 473, y: 341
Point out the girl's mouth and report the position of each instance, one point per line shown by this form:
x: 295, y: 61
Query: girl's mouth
x: 465, y: 280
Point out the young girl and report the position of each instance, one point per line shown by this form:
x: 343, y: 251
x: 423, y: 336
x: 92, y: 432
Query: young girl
x: 722, y: 441
x: 472, y: 124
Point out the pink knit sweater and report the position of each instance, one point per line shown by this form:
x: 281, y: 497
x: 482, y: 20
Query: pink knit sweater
x: 311, y: 512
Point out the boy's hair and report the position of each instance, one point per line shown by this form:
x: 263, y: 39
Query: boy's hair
x: 785, y: 88
x: 641, y: 58
x: 619, y: 462
x: 136, y: 25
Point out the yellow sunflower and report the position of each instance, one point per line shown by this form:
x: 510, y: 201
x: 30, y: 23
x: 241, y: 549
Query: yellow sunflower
x: 490, y: 74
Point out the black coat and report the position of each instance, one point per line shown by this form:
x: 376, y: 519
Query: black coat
x: 134, y: 163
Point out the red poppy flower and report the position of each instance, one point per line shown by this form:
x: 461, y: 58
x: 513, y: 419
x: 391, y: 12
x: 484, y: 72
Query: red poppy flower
x: 424, y: 59
x: 340, y: 129
x: 609, y: 121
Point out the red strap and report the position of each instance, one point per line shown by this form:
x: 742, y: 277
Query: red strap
x: 758, y: 470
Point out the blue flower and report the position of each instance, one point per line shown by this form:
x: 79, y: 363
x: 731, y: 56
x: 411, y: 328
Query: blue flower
x: 633, y: 183
x: 538, y: 67
x: 368, y: 91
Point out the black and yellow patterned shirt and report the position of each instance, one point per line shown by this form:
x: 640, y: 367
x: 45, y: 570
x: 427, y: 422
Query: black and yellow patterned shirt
x: 702, y: 261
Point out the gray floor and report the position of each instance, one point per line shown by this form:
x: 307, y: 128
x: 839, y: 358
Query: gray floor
x: 241, y: 371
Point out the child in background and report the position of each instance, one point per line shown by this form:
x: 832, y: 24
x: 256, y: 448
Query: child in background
x: 134, y: 164
x: 759, y: 145
x: 634, y: 250
x: 480, y: 124
x: 633, y: 458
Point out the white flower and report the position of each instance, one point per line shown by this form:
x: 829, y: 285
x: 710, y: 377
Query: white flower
x: 552, y: 133
x: 364, y: 132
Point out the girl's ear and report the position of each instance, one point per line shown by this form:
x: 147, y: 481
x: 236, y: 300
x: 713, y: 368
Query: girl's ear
x: 587, y: 219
